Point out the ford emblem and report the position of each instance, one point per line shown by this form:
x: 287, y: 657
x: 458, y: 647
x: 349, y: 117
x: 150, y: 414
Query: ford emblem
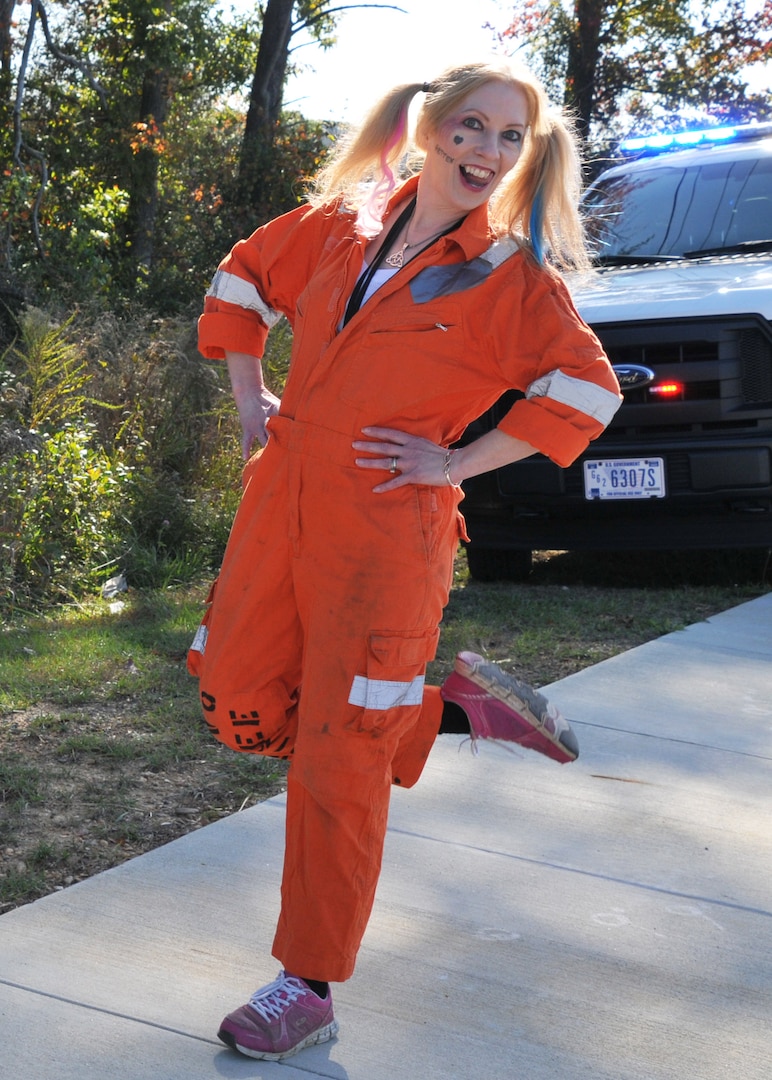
x: 633, y: 376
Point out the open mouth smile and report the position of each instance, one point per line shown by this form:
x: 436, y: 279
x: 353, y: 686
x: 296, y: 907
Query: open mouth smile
x: 476, y: 177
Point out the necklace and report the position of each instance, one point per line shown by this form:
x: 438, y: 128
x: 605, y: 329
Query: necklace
x: 397, y: 258
x: 360, y: 289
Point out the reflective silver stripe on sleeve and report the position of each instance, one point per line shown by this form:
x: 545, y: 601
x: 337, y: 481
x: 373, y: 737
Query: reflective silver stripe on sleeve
x: 384, y: 694
x: 199, y: 641
x: 235, y: 290
x: 586, y: 397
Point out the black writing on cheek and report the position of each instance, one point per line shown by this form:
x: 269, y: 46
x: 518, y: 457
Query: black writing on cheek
x: 438, y: 149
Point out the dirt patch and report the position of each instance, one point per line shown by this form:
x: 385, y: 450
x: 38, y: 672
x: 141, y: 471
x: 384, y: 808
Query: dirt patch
x: 79, y: 796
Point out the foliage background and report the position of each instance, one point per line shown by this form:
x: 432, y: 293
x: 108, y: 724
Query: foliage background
x: 119, y: 448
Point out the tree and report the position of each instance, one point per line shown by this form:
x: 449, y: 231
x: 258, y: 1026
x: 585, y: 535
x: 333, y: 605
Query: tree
x: 91, y: 117
x: 153, y: 109
x: 6, y: 72
x: 127, y: 171
x: 265, y: 99
x: 153, y: 53
x: 645, y: 58
x: 282, y: 20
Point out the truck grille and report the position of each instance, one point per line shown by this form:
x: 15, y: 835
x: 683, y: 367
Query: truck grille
x: 655, y: 354
x: 756, y: 366
x: 724, y: 367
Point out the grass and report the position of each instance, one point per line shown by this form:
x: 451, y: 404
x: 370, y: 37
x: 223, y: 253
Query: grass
x: 19, y: 782
x: 103, y: 753
x: 578, y: 609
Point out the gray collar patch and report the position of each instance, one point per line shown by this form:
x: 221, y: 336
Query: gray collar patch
x: 436, y: 281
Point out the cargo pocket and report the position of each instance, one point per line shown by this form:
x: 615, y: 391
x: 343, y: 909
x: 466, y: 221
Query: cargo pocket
x: 391, y: 691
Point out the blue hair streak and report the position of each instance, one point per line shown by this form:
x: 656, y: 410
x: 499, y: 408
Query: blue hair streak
x: 536, y: 226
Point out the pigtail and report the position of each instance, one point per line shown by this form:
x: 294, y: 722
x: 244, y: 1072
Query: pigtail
x: 362, y: 173
x: 557, y: 195
x: 370, y: 216
x: 541, y: 201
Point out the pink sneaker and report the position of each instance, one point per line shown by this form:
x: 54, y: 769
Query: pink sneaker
x: 279, y: 1020
x: 499, y: 706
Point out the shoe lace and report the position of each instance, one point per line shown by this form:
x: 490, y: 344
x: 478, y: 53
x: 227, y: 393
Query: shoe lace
x: 273, y: 1000
x: 473, y: 740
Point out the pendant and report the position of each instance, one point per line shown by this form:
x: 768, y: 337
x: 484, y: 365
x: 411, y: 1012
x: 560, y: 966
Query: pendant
x: 397, y: 258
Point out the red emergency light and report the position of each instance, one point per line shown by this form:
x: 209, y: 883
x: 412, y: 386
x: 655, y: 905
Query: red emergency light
x: 667, y: 389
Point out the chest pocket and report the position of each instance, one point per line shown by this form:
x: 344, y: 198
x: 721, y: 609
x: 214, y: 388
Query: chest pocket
x: 405, y: 358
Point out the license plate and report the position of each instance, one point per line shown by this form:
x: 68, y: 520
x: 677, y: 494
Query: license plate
x: 625, y: 478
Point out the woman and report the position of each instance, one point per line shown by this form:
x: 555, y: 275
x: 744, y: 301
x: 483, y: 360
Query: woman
x: 411, y: 314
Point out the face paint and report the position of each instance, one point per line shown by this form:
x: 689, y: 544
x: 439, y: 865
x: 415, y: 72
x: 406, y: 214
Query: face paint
x: 438, y: 150
x: 473, y: 150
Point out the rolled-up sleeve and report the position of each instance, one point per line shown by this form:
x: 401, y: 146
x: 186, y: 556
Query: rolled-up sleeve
x: 259, y: 281
x: 571, y: 393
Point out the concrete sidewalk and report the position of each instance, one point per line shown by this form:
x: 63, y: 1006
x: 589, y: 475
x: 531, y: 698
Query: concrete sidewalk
x: 606, y: 920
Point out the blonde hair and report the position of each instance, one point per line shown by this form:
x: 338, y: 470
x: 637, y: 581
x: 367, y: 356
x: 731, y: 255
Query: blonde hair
x: 537, y: 201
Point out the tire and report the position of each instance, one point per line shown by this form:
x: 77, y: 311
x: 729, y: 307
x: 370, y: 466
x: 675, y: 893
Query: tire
x: 498, y: 564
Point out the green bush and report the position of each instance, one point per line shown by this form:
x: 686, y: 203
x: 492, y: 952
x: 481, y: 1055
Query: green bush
x: 119, y: 451
x: 62, y: 514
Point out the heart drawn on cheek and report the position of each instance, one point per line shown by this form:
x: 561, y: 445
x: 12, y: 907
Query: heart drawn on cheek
x: 458, y: 139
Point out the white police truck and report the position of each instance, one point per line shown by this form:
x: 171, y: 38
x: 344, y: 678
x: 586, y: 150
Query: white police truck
x: 681, y: 297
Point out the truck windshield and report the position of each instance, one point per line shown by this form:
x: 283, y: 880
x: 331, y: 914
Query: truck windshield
x: 669, y: 211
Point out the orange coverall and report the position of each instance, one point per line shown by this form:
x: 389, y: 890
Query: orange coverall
x: 328, y: 604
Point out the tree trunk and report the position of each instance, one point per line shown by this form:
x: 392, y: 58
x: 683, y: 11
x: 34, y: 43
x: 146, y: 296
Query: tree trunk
x: 265, y: 98
x: 6, y: 74
x: 583, y: 56
x: 143, y: 196
x: 143, y: 200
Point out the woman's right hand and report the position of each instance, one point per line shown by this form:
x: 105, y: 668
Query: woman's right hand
x: 254, y: 401
x: 254, y: 411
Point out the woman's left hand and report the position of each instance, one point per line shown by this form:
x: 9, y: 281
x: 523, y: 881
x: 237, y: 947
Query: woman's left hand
x: 408, y: 459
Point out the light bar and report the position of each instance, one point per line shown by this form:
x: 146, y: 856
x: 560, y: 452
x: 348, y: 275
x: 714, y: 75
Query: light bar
x: 669, y: 140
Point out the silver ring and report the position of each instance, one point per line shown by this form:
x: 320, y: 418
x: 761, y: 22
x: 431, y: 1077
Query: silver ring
x: 393, y: 465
